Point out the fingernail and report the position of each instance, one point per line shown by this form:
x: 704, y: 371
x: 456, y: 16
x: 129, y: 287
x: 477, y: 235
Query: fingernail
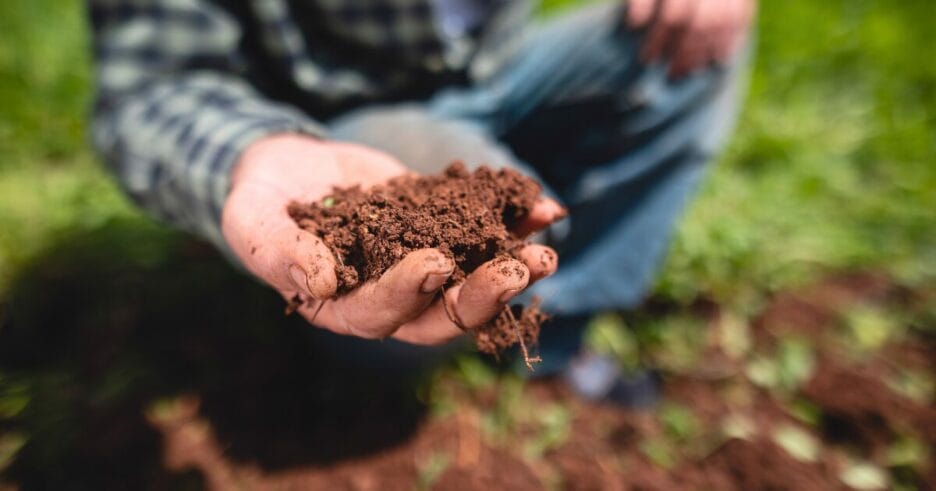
x: 549, y: 261
x: 507, y: 295
x: 299, y: 277
x: 433, y: 282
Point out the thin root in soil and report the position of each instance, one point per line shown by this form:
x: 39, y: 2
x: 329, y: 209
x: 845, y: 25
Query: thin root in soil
x: 529, y: 361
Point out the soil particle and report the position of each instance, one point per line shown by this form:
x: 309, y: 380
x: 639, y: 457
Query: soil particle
x: 468, y: 216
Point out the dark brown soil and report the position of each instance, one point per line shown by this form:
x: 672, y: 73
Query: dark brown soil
x: 859, y: 408
x: 468, y: 216
x: 270, y: 410
x: 761, y: 464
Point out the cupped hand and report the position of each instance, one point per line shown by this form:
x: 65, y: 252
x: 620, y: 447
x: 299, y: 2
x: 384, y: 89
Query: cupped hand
x: 404, y: 302
x: 692, y: 34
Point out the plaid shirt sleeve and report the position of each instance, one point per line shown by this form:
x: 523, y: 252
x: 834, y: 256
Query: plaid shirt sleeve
x: 172, y: 114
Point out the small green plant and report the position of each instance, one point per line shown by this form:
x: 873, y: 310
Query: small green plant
x: 608, y: 334
x: 738, y: 426
x: 790, y: 366
x: 673, y: 343
x: 870, y: 328
x: 804, y: 411
x: 14, y: 397
x: 679, y: 423
x: 554, y: 423
x: 511, y: 411
x: 10, y: 444
x: 864, y: 476
x: 909, y: 452
x: 431, y: 469
x: 660, y: 452
x: 797, y: 442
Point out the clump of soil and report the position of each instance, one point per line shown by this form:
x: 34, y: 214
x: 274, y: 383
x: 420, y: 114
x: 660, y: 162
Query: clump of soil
x: 468, y: 216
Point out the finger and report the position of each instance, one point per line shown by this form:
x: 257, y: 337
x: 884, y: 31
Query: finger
x: 639, y: 12
x: 377, y: 308
x: 739, y: 34
x: 667, y: 29
x: 721, y: 47
x: 488, y: 288
x: 476, y: 301
x: 727, y: 29
x: 685, y: 59
x: 312, y: 264
x: 748, y: 12
x: 481, y: 297
x: 435, y: 326
x: 540, y: 260
x: 693, y: 51
x: 274, y: 248
x: 544, y: 212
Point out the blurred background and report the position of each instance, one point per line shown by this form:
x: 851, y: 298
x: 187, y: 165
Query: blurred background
x: 793, y: 324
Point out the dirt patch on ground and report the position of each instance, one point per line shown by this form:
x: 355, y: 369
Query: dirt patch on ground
x: 859, y: 408
x: 472, y: 217
x: 811, y: 310
x: 608, y: 448
x: 274, y: 411
x: 441, y: 455
x: 761, y: 464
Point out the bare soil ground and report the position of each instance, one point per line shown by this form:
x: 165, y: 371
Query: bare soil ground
x: 138, y: 387
x: 860, y: 416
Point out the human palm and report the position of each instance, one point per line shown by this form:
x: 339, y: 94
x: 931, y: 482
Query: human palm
x: 403, y: 303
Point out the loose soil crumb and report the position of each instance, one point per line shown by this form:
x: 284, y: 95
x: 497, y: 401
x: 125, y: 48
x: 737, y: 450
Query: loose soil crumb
x: 468, y: 216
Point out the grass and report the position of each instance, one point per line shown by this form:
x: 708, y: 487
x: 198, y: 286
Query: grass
x: 832, y: 166
x: 50, y: 184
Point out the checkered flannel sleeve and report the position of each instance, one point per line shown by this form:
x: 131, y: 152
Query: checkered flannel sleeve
x: 172, y: 113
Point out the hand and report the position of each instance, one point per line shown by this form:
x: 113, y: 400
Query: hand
x: 402, y: 303
x: 691, y: 33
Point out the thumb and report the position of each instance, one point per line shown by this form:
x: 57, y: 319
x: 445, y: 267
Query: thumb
x: 271, y: 245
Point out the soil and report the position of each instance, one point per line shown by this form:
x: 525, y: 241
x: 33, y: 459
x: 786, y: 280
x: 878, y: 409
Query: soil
x: 602, y: 450
x: 858, y: 407
x: 274, y: 409
x: 470, y: 216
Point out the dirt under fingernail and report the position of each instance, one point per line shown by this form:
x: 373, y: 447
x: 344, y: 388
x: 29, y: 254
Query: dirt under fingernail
x: 467, y: 215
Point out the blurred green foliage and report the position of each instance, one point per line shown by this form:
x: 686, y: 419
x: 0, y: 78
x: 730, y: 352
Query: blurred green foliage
x: 791, y: 366
x: 832, y: 166
x: 50, y: 185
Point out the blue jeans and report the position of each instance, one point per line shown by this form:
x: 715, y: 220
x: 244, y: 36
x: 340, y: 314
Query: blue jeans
x: 617, y: 142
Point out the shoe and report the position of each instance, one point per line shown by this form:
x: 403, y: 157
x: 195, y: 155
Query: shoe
x: 591, y: 376
x: 599, y: 378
